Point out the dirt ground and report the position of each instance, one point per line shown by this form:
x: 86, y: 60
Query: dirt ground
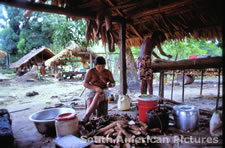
x: 51, y: 91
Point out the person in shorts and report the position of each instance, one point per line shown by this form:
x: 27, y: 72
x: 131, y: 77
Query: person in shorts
x: 97, y: 80
x: 145, y: 59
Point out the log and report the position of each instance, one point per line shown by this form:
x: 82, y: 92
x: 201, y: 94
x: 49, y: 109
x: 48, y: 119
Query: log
x: 109, y: 132
x: 127, y: 135
x: 112, y: 125
x: 215, y: 62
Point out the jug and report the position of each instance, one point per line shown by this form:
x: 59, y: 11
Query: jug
x: 123, y: 102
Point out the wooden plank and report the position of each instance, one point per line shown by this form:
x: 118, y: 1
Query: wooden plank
x: 123, y: 74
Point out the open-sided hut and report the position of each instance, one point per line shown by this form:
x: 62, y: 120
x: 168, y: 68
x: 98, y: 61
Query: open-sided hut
x: 128, y: 22
x: 71, y: 51
x: 34, y: 57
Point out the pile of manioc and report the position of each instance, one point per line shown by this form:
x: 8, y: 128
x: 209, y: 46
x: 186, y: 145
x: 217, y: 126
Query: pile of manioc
x: 118, y: 131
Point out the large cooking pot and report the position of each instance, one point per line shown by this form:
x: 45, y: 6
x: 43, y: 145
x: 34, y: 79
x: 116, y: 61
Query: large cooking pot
x: 186, y: 117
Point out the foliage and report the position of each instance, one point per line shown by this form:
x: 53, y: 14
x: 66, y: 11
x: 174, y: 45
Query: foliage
x: 9, y: 71
x: 20, y: 35
x: 69, y: 31
x: 186, y: 48
x: 8, y: 40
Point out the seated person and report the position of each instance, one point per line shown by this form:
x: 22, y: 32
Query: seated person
x: 97, y: 80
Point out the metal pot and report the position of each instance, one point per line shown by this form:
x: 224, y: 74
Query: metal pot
x: 186, y: 117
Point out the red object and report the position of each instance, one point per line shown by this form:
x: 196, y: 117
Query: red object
x: 145, y: 105
x: 65, y: 116
x: 43, y: 70
x: 193, y: 57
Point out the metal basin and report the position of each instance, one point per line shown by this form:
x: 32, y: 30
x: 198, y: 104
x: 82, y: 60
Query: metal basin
x: 186, y: 117
x: 44, y: 120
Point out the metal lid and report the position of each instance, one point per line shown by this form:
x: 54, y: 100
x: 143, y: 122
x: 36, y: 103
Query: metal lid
x: 65, y: 116
x: 186, y: 108
x: 149, y: 98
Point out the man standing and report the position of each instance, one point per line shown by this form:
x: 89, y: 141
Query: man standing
x: 43, y: 73
x: 145, y: 58
x: 97, y: 80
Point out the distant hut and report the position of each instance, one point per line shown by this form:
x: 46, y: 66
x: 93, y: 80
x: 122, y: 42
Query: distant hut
x: 72, y: 51
x: 35, y: 57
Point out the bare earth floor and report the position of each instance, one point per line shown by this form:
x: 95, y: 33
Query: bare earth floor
x: 51, y: 91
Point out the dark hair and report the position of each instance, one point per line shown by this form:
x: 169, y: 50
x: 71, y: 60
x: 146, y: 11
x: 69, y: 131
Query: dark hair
x: 99, y: 60
x: 157, y: 33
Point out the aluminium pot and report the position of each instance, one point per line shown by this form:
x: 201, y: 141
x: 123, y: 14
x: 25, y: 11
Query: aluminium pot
x: 186, y: 117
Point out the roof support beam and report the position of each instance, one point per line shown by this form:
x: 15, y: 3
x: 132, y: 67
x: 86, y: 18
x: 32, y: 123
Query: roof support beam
x: 48, y: 8
x: 158, y: 10
x: 123, y: 15
x: 78, y: 12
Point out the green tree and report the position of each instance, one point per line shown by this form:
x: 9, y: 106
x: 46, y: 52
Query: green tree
x: 186, y: 48
x: 69, y: 31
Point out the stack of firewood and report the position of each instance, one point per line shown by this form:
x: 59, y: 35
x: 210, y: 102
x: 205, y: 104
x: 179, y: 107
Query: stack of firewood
x: 119, y: 131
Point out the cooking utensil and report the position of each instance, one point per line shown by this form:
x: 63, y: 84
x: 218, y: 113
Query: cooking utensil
x: 186, y: 117
x: 44, y: 120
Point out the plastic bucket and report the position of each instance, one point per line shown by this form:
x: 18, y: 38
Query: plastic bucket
x: 144, y: 105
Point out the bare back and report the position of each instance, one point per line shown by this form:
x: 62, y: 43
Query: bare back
x: 147, y: 47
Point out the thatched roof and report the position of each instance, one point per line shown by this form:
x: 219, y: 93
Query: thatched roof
x: 2, y: 53
x: 71, y: 51
x: 36, y: 55
x: 178, y: 19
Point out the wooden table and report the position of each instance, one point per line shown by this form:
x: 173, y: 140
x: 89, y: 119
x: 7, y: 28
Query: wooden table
x: 71, y: 74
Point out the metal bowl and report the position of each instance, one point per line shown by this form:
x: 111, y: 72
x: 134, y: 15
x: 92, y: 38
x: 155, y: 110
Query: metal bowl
x: 44, y: 120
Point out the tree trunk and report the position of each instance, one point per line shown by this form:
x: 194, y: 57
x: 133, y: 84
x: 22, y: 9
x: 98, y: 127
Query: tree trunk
x: 132, y: 77
x: 7, y: 61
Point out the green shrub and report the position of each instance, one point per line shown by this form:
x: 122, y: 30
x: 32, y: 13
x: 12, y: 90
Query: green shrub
x: 9, y: 71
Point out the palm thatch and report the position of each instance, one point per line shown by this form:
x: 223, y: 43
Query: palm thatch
x: 2, y: 53
x: 71, y: 51
x: 176, y: 18
x: 35, y: 56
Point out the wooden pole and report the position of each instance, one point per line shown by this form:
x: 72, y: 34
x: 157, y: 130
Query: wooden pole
x: 172, y: 86
x: 123, y: 74
x: 202, y: 75
x: 91, y: 65
x: 218, y: 95
x: 183, y: 87
x: 173, y: 79
x: 161, y: 84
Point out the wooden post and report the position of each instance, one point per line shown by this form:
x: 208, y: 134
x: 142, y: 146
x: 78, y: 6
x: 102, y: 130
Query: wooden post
x: 91, y: 65
x: 183, y: 87
x: 123, y: 75
x: 172, y: 86
x: 218, y: 95
x: 202, y: 75
x: 161, y: 85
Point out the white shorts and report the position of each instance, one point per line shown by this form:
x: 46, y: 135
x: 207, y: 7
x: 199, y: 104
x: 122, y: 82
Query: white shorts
x: 91, y: 93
